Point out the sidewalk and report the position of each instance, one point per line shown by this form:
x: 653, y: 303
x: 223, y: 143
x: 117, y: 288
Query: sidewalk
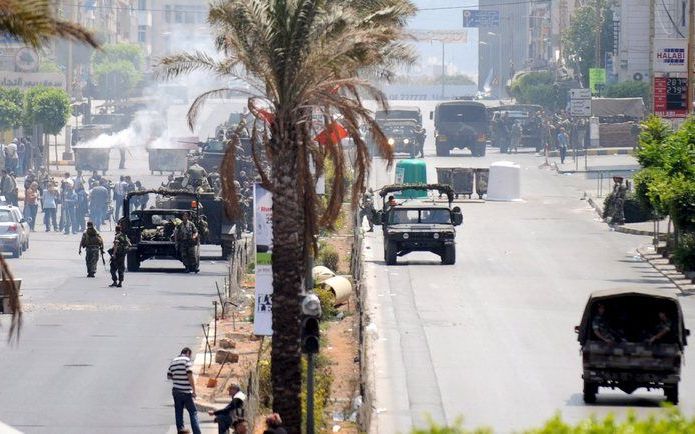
x: 594, y: 152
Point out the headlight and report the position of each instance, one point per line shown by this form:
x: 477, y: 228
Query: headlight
x: 406, y: 236
x: 436, y: 235
x: 391, y: 142
x: 406, y: 141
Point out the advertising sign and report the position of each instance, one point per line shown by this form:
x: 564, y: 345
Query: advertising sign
x: 597, y: 80
x: 670, y: 97
x: 26, y: 80
x: 671, y: 55
x: 263, y: 232
x: 478, y: 18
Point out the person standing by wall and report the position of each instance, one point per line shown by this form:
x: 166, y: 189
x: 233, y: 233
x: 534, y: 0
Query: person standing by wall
x: 183, y: 390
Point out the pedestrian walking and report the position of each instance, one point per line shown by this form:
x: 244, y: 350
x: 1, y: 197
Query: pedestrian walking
x: 367, y: 209
x: 94, y: 244
x: 49, y: 206
x: 118, y: 252
x: 186, y: 238
x: 562, y: 144
x: 98, y: 204
x: 69, y: 210
x: 118, y: 193
x: 234, y: 411
x: 82, y: 208
x: 31, y: 204
x: 183, y: 390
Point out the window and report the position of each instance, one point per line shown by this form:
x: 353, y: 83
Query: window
x: 6, y: 216
x: 142, y: 34
x: 178, y: 14
x: 142, y: 5
x: 167, y: 14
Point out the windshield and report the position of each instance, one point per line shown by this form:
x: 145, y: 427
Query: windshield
x: 415, y: 216
x: 462, y: 113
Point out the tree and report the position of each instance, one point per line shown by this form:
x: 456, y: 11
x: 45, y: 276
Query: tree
x: 48, y: 107
x: 539, y: 87
x: 304, y: 57
x: 10, y: 115
x: 115, y: 80
x: 115, y: 53
x: 13, y: 95
x: 628, y: 89
x: 33, y: 22
x: 578, y: 45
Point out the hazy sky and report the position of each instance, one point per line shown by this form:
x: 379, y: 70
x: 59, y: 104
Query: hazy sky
x: 464, y: 57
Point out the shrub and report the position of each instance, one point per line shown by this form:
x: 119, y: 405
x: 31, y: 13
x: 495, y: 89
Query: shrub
x: 265, y: 388
x: 684, y: 254
x: 328, y: 257
x: 327, y: 298
x: 633, y: 208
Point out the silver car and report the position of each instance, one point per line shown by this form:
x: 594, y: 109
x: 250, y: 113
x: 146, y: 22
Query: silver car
x: 14, y: 231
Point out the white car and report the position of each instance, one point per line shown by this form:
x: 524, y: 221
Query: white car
x: 14, y: 231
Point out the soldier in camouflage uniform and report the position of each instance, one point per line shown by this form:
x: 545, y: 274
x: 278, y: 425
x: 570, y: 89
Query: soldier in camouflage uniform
x: 186, y: 238
x: 93, y: 243
x: 118, y: 252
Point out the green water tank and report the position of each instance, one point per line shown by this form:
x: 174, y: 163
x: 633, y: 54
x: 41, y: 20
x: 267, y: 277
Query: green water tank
x: 412, y: 171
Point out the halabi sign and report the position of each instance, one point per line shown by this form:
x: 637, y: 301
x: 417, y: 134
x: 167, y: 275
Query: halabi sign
x: 670, y: 55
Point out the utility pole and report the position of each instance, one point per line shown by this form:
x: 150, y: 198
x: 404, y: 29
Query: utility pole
x: 691, y: 55
x: 67, y: 152
x: 652, y: 13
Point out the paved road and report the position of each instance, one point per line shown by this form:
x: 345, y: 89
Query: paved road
x: 491, y: 338
x: 92, y: 359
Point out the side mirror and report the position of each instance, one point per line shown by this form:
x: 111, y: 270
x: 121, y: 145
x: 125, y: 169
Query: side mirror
x: 431, y: 115
x: 576, y: 329
x: 687, y: 332
x: 456, y: 218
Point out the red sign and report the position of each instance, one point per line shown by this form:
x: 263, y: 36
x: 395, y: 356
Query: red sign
x: 670, y: 97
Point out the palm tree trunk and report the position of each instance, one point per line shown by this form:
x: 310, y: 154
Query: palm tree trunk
x: 288, y: 274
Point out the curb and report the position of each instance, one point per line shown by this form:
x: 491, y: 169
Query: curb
x: 666, y: 269
x: 618, y: 228
x: 592, y: 152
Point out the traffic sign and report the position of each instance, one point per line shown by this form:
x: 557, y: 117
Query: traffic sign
x: 580, y: 93
x: 478, y: 18
x: 580, y: 107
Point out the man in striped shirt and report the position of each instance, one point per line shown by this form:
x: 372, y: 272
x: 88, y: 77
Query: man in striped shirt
x: 181, y: 373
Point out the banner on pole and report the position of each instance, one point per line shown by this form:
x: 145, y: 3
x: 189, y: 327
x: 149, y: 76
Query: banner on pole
x: 263, y: 233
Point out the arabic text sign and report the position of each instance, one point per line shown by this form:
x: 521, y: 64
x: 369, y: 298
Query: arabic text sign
x: 263, y: 232
x: 26, y: 80
x: 481, y: 18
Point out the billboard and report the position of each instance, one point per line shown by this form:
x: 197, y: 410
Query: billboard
x: 670, y: 55
x: 478, y: 18
x: 597, y: 80
x: 263, y: 233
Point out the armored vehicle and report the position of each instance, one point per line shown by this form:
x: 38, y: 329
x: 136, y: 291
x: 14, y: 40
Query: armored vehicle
x: 419, y: 226
x: 211, y: 152
x: 151, y: 231
x: 461, y: 124
x: 632, y: 338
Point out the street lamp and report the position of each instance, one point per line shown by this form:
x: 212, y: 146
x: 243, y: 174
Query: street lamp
x: 499, y: 70
x: 310, y: 338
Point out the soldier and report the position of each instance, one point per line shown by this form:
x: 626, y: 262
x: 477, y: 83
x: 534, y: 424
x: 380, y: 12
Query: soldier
x: 91, y: 240
x: 599, y: 326
x: 197, y: 177
x: 121, y: 243
x: 367, y: 209
x: 186, y: 238
x: 662, y: 329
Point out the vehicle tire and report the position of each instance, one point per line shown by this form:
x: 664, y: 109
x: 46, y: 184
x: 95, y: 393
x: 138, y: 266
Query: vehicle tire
x: 590, y: 391
x: 671, y: 393
x: 449, y: 255
x: 442, y: 150
x: 132, y: 261
x: 390, y: 253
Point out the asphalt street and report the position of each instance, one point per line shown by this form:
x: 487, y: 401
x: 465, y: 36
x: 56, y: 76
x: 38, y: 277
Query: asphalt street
x: 491, y: 338
x: 93, y: 359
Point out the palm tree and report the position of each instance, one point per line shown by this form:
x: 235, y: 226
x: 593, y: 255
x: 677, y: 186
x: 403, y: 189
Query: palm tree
x: 304, y: 57
x: 32, y: 22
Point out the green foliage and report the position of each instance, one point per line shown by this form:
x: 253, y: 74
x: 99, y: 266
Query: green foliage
x: 12, y: 94
x: 327, y: 298
x: 646, y: 190
x: 47, y: 65
x: 578, y: 38
x: 47, y: 106
x: 117, y: 79
x: 628, y: 89
x: 114, y: 53
x: 681, y: 199
x: 328, y: 257
x: 10, y: 115
x: 539, y: 88
x: 684, y: 254
x: 265, y: 389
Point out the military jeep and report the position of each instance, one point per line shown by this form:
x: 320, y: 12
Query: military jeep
x: 419, y: 225
x: 632, y: 338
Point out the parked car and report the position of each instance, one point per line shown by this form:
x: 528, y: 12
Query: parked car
x: 14, y: 231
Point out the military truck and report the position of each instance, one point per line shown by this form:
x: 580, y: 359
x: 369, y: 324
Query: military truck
x: 403, y: 136
x: 151, y: 231
x: 461, y: 124
x: 419, y: 225
x: 632, y: 338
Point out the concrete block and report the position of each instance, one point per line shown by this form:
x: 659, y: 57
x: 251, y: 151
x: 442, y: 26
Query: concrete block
x: 230, y: 356
x: 227, y: 343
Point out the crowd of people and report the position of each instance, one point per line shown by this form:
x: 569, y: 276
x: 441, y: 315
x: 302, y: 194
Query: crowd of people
x: 556, y: 131
x: 20, y: 155
x: 68, y: 202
